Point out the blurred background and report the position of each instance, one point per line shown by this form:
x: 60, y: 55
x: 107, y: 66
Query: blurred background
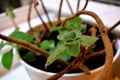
x: 18, y: 3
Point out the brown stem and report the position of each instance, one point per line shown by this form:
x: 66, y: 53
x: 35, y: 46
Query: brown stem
x: 69, y: 6
x: 46, y: 28
x: 46, y: 12
x: 93, y: 31
x: 29, y: 14
x: 78, y: 4
x: 106, y: 41
x: 84, y: 68
x: 31, y: 47
x: 86, y: 3
x: 34, y: 48
x: 94, y: 54
x: 11, y: 18
x: 28, y: 18
x: 98, y: 53
x: 59, y: 11
x: 25, y: 44
x: 75, y: 63
x: 114, y: 26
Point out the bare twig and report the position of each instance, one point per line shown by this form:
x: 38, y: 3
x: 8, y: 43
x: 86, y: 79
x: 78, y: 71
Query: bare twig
x: 69, y: 6
x: 46, y: 12
x: 78, y: 5
x: 46, y: 28
x: 93, y: 31
x: 59, y: 11
x: 76, y: 63
x: 28, y: 18
x: 110, y: 29
x: 84, y: 68
x: 94, y: 54
x: 13, y: 21
x: 98, y: 53
x: 114, y: 26
x: 36, y: 49
x: 29, y: 14
x: 86, y: 3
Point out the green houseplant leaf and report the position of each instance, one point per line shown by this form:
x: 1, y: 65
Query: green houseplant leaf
x: 7, y: 59
x: 1, y: 45
x: 74, y: 23
x: 74, y: 49
x: 30, y: 56
x: 11, y: 12
x: 65, y: 56
x: 56, y: 54
x: 47, y: 44
x: 87, y: 40
x: 21, y: 35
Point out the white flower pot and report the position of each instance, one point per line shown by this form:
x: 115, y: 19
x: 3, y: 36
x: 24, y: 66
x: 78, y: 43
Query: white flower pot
x: 36, y: 74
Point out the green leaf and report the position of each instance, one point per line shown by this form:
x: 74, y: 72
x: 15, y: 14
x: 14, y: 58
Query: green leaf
x: 55, y: 55
x: 11, y: 12
x: 87, y: 40
x: 47, y: 44
x: 74, y: 49
x: 30, y: 56
x: 75, y: 23
x: 1, y: 45
x: 82, y: 28
x: 69, y: 42
x: 61, y: 35
x: 21, y: 35
x: 54, y: 28
x: 65, y: 56
x: 69, y: 35
x: 7, y: 59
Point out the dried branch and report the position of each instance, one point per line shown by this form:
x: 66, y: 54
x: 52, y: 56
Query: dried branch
x: 75, y: 64
x: 98, y: 53
x: 94, y: 54
x: 29, y: 14
x: 36, y: 49
x: 93, y: 31
x: 84, y: 68
x: 46, y: 28
x: 28, y: 19
x: 46, y: 13
x: 69, y: 6
x: 86, y: 3
x: 78, y: 4
x: 114, y: 26
x: 106, y: 41
x: 59, y: 11
x: 11, y: 18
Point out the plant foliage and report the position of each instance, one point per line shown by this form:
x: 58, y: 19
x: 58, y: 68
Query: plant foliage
x: 71, y: 37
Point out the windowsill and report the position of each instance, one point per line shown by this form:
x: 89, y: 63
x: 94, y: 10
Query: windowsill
x: 21, y: 16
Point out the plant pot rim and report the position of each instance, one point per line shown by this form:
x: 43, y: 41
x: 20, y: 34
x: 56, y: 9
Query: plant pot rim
x: 117, y: 47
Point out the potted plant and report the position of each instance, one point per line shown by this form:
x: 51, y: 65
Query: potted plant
x: 57, y: 41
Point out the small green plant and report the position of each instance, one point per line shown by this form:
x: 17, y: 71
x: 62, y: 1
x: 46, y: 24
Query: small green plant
x: 7, y: 57
x: 71, y: 37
